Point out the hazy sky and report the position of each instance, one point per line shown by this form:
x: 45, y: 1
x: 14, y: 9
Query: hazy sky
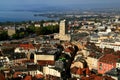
x: 21, y: 4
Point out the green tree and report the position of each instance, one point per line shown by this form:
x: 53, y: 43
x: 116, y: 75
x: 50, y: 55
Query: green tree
x: 3, y: 35
x: 41, y: 23
x: 52, y: 29
x: 38, y: 30
x: 15, y: 36
x: 30, y: 29
x: 21, y: 34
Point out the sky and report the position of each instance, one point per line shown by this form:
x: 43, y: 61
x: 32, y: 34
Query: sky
x: 36, y: 4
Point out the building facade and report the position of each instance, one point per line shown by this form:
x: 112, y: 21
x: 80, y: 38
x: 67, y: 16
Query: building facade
x: 106, y: 63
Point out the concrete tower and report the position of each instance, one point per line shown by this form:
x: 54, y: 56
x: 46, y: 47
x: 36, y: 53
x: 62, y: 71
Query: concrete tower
x: 63, y: 32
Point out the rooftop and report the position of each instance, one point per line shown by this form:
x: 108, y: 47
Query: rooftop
x: 27, y: 46
x: 109, y: 58
x: 47, y: 51
x: 96, y: 55
x: 113, y: 72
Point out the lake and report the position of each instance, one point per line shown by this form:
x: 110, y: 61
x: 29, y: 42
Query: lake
x: 17, y: 16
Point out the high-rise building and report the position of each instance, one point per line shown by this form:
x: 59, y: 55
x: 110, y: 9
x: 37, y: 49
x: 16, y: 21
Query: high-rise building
x: 63, y: 30
x: 11, y: 31
x: 63, y: 35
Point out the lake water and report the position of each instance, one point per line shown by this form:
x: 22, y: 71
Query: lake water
x: 17, y: 16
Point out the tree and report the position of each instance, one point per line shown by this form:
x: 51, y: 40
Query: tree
x: 38, y: 30
x: 3, y: 35
x: 15, y: 36
x: 30, y: 29
x: 41, y: 23
x: 21, y: 34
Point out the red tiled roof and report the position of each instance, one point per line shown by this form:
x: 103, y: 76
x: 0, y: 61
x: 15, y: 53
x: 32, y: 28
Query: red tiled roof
x: 108, y: 58
x: 28, y: 78
x: 45, y: 62
x: 26, y: 61
x: 74, y: 69
x: 95, y: 77
x: 38, y: 76
x: 69, y: 49
x: 79, y: 71
x: 98, y: 78
x: 27, y: 46
x: 87, y: 71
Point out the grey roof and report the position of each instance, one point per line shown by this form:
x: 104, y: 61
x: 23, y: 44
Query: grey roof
x: 114, y: 72
x: 47, y: 51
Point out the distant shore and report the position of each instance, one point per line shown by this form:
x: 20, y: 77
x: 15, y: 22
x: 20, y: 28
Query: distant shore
x: 18, y: 16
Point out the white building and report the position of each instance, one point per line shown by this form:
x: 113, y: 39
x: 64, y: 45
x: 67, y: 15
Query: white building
x: 49, y: 70
x: 37, y: 25
x: 112, y: 45
x: 19, y: 50
x: 50, y: 24
x: 4, y: 61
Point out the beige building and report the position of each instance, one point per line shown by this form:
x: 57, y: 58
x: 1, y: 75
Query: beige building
x: 63, y: 32
x: 49, y: 70
x: 50, y: 24
x: 11, y: 31
x: 43, y: 57
x: 92, y: 62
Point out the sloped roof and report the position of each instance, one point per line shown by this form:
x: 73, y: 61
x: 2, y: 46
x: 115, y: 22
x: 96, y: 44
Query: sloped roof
x: 109, y: 58
x: 27, y: 46
x: 28, y: 77
x: 74, y: 69
x: 96, y: 77
x: 69, y: 49
x: 38, y: 76
x: 113, y: 72
x: 79, y: 71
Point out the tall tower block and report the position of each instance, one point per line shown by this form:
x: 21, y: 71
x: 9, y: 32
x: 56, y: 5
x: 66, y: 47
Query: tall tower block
x: 63, y: 29
x: 63, y: 36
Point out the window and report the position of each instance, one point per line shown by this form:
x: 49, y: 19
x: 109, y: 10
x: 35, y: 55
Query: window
x: 100, y: 66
